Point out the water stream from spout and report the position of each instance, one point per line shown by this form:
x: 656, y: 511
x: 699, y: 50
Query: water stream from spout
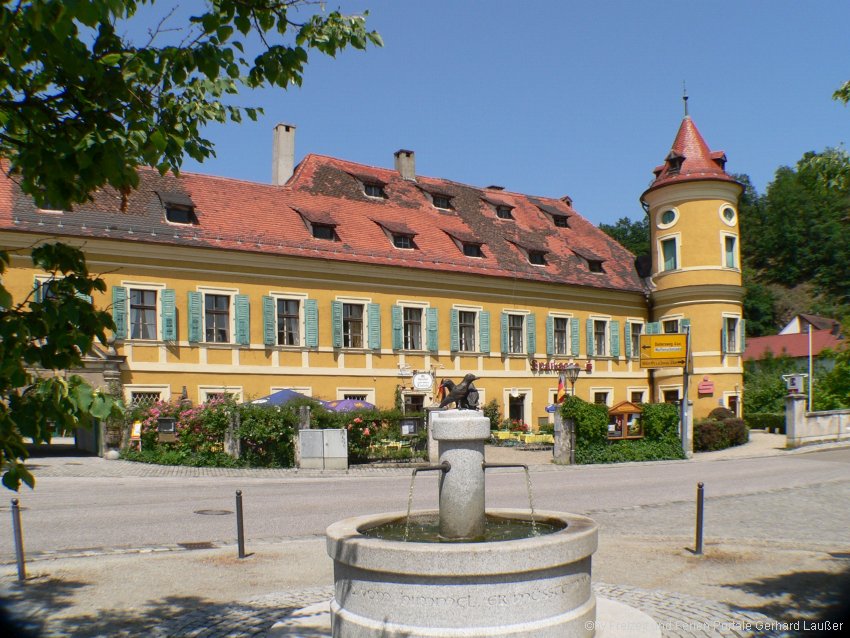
x: 409, y: 506
x: 531, y: 501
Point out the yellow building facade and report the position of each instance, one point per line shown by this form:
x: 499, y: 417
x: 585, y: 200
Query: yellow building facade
x: 346, y: 280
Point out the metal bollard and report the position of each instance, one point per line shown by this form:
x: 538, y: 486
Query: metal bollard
x: 19, y: 540
x: 240, y: 530
x: 700, y: 500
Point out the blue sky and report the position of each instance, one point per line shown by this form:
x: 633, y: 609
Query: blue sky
x: 556, y: 98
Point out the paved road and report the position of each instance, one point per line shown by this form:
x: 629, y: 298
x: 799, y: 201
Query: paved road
x: 777, y: 545
x: 94, y: 509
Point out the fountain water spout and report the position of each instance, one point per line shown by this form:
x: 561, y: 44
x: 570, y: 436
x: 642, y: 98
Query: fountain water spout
x: 444, y: 467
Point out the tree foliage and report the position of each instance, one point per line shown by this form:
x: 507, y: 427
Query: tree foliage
x: 632, y: 235
x: 794, y: 238
x: 49, y: 330
x: 83, y: 104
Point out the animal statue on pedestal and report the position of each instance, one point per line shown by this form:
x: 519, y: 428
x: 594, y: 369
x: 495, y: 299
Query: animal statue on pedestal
x: 463, y: 395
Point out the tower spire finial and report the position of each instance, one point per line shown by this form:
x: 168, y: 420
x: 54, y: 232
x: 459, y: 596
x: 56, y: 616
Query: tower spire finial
x: 685, y: 97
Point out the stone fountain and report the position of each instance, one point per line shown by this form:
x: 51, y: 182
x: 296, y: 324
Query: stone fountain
x: 461, y: 583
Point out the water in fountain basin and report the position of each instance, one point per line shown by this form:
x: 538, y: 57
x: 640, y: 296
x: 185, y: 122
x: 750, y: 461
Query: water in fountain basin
x: 425, y: 528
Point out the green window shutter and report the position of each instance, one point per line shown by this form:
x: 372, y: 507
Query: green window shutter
x: 374, y: 313
x: 243, y: 320
x: 531, y: 332
x: 684, y: 323
x: 454, y: 341
x: 37, y: 291
x: 398, y: 324
x: 627, y: 339
x: 431, y: 326
x: 168, y: 314
x: 574, y: 336
x: 589, y: 336
x: 723, y: 337
x: 504, y: 325
x: 550, y: 335
x: 119, y: 311
x: 614, y: 331
x: 741, y: 326
x: 269, y: 311
x: 484, y: 331
x: 195, y: 302
x: 653, y: 328
x: 336, y: 323
x: 311, y: 323
x: 83, y: 296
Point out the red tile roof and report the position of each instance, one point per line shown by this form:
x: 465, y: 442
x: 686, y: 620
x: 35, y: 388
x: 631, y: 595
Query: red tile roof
x: 261, y: 218
x: 792, y: 345
x: 690, y: 159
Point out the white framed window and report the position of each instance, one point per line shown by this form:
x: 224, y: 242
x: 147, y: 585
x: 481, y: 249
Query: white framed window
x: 146, y: 395
x: 637, y: 395
x: 517, y: 404
x: 671, y: 325
x: 467, y: 323
x: 728, y: 215
x: 218, y: 314
x: 670, y: 393
x: 602, y: 396
x: 412, y: 327
x: 353, y: 324
x: 207, y: 393
x: 667, y: 217
x: 634, y: 331
x: 600, y: 337
x: 561, y: 335
x: 356, y: 394
x: 729, y: 248
x: 144, y: 306
x: 732, y: 329
x: 516, y: 333
x: 668, y: 251
x: 289, y: 318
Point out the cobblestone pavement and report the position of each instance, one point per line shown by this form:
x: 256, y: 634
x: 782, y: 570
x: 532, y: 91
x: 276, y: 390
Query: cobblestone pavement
x: 677, y: 615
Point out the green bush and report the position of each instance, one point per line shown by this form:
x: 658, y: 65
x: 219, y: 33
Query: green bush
x: 711, y: 435
x: 629, y: 450
x: 660, y: 421
x: 737, y: 431
x: 267, y: 435
x: 721, y: 414
x: 591, y: 420
x: 765, y: 421
x: 492, y: 412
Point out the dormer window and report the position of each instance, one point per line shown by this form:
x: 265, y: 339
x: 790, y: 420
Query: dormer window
x: 373, y: 189
x: 594, y: 265
x: 674, y: 163
x: 180, y: 215
x: 504, y: 212
x: 559, y: 218
x: 324, y: 231
x: 179, y: 207
x: 537, y: 257
x: 403, y: 241
x: 472, y: 250
x: 442, y: 201
x: 560, y: 221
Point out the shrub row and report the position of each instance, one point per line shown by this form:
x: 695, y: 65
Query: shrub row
x: 660, y: 425
x: 710, y: 434
x: 765, y: 421
x: 266, y: 433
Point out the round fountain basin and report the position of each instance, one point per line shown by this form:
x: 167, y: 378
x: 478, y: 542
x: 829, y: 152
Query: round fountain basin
x: 425, y: 528
x: 531, y: 587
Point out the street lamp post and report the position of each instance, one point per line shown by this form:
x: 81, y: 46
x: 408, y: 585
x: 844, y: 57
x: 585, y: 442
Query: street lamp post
x: 571, y: 371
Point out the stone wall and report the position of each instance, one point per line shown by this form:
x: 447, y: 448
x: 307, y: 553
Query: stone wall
x: 803, y: 428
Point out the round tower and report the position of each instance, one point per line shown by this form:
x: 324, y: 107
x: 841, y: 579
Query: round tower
x: 696, y: 271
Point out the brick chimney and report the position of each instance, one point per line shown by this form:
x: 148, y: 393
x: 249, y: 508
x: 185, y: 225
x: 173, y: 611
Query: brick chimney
x: 405, y: 164
x: 283, y: 153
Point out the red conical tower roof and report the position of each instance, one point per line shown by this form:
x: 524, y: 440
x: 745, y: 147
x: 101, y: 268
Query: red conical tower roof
x: 690, y: 159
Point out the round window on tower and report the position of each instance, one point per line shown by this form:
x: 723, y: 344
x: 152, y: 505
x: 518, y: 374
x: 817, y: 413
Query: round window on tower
x: 728, y: 215
x: 668, y: 217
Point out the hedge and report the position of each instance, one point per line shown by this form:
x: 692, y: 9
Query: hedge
x: 767, y: 421
x: 711, y: 435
